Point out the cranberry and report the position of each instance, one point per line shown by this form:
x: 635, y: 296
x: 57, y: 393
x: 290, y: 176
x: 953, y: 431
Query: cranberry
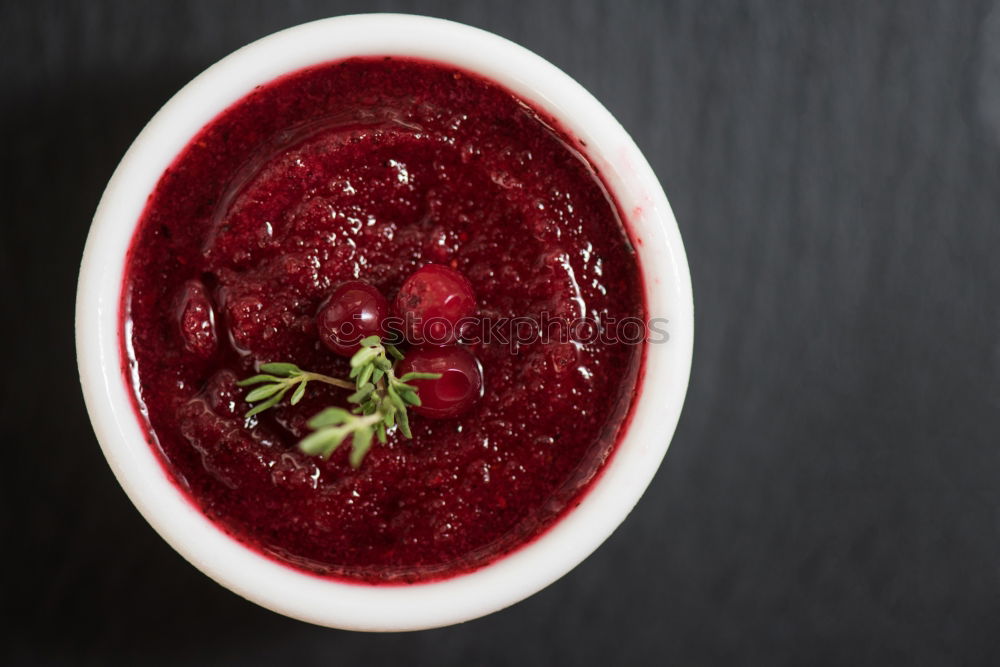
x: 353, y: 312
x: 436, y: 304
x: 460, y: 384
x: 196, y: 319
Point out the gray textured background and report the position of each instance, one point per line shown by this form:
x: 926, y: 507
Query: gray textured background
x: 831, y: 495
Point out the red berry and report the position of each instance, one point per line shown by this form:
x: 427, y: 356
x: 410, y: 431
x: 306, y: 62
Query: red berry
x: 353, y: 312
x: 436, y: 304
x: 458, y: 388
x: 196, y: 319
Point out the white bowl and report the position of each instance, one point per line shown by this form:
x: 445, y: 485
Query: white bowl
x: 336, y: 603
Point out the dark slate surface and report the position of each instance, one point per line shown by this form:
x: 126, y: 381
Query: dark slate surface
x: 831, y: 495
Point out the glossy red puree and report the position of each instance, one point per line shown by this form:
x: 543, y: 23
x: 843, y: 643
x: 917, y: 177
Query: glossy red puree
x: 370, y: 169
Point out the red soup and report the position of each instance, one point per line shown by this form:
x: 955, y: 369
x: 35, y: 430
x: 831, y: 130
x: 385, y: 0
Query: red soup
x: 371, y: 169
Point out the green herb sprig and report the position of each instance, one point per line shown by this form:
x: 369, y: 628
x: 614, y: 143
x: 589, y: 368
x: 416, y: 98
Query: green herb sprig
x: 379, y: 402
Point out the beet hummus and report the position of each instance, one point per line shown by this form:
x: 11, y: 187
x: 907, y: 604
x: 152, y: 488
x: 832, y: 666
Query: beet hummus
x: 369, y: 169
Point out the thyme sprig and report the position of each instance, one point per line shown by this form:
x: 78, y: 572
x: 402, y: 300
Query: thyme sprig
x: 379, y: 402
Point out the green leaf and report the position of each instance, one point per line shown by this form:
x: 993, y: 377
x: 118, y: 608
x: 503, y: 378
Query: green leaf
x: 370, y: 341
x: 365, y: 375
x: 380, y: 432
x: 362, y: 393
x: 260, y: 393
x: 363, y: 356
x: 329, y: 417
x: 395, y: 398
x: 377, y: 374
x: 409, y: 396
x: 414, y: 375
x: 281, y: 368
x: 299, y: 392
x: 383, y: 363
x: 403, y: 420
x: 361, y: 444
x: 388, y: 411
x: 269, y: 403
x: 257, y: 379
x: 394, y: 352
x: 323, y: 443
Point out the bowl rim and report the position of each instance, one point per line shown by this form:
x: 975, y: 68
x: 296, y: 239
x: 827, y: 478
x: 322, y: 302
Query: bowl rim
x: 337, y: 603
